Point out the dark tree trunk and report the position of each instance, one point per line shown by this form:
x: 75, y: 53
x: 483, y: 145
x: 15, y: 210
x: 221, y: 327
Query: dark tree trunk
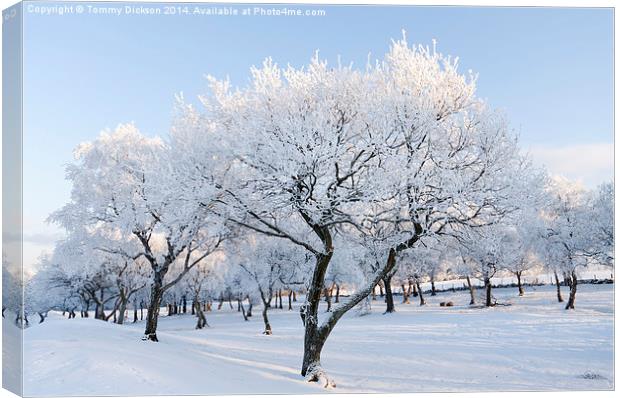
x: 415, y: 289
x: 570, y: 305
x: 219, y: 306
x: 433, y: 291
x: 152, y: 314
x: 280, y: 298
x: 337, y: 293
x: 245, y: 315
x: 521, y: 292
x: 185, y: 304
x: 309, y: 311
x: 381, y: 289
x: 265, y: 318
x: 389, y: 297
x: 567, y: 279
x: 374, y: 293
x: 328, y: 299
x: 315, y: 336
x: 294, y: 297
x: 557, y: 286
x: 420, y: 293
x: 98, y: 311
x: 472, y: 294
x: 487, y: 289
x: 201, y: 321
x: 405, y: 294
x: 290, y: 300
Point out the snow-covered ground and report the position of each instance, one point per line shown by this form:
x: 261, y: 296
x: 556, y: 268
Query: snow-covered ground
x: 533, y: 344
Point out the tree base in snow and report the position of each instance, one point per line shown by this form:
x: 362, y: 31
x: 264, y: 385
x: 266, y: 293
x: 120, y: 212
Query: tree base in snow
x: 150, y: 337
x: 316, y: 374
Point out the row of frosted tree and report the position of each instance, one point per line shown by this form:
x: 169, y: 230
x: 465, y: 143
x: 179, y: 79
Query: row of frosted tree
x: 308, y: 181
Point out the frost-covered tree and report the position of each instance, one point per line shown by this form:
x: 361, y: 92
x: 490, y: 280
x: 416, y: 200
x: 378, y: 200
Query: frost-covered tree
x: 14, y: 282
x: 571, y: 229
x: 315, y: 152
x: 527, y: 229
x: 267, y: 265
x: 202, y: 282
x: 127, y: 184
x: 489, y: 249
x: 601, y: 219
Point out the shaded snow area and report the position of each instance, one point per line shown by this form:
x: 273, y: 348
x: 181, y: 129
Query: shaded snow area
x: 531, y: 344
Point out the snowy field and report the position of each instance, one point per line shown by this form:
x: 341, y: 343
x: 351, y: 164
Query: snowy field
x: 532, y: 344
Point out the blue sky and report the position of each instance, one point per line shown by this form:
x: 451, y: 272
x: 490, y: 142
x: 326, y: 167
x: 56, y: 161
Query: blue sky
x: 549, y: 69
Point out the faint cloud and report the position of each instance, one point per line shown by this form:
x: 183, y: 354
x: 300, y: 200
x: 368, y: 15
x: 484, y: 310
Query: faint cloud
x: 590, y: 164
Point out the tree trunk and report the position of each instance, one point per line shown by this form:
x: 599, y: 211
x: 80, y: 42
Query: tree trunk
x: 337, y: 293
x: 249, y: 313
x: 389, y: 297
x: 567, y: 281
x: 122, y: 309
x: 98, y: 311
x: 265, y: 318
x: 185, y: 304
x: 315, y: 336
x: 472, y: 295
x: 290, y: 300
x: 152, y: 314
x: 294, y: 297
x: 570, y: 305
x: 557, y: 286
x: 309, y: 311
x: 415, y: 289
x: 381, y: 289
x: 405, y: 294
x: 201, y: 321
x: 487, y: 289
x: 245, y: 316
x: 219, y: 306
x: 521, y: 292
x: 422, y: 301
x: 328, y: 299
x: 433, y: 292
x: 374, y: 293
